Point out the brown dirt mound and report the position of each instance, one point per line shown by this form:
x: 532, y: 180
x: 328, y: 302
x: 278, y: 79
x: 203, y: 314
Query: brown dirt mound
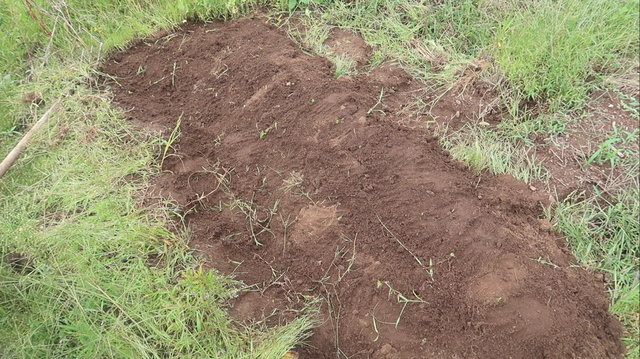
x: 414, y: 255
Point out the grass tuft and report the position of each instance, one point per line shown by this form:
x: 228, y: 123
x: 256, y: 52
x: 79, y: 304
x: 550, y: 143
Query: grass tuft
x: 604, y: 235
x: 486, y: 149
x: 550, y: 52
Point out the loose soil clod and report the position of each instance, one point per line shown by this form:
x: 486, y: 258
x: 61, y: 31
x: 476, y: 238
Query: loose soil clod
x: 414, y: 255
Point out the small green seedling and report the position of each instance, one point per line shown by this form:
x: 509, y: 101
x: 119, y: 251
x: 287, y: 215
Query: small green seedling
x: 172, y: 138
x: 263, y: 133
x: 339, y: 73
x: 377, y: 103
x: 544, y: 261
x: 609, y: 151
x: 173, y: 74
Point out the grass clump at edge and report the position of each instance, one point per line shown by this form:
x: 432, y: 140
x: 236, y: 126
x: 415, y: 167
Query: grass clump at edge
x: 604, y: 235
x: 561, y: 51
x: 85, y: 271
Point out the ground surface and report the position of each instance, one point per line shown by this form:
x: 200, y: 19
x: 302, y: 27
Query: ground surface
x: 413, y: 254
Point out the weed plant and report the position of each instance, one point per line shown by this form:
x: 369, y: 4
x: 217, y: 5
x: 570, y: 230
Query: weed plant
x: 549, y: 50
x: 605, y: 235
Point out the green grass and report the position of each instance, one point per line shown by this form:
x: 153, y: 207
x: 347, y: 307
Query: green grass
x: 605, y: 235
x: 549, y: 51
x: 546, y: 51
x: 486, y: 149
x: 106, y: 278
x: 417, y: 34
x: 98, y: 275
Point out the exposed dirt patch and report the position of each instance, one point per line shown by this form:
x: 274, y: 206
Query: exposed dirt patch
x: 413, y: 255
x: 565, y: 157
x: 564, y: 153
x: 471, y: 98
x: 345, y: 43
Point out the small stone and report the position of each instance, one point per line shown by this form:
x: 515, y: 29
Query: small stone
x: 386, y: 351
x: 545, y: 225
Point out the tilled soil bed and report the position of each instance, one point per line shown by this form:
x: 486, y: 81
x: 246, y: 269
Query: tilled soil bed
x: 308, y: 186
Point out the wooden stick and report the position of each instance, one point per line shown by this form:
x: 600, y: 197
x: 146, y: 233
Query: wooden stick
x: 17, y: 150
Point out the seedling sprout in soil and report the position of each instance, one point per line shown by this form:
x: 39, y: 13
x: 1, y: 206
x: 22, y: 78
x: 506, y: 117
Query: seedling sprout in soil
x: 175, y: 133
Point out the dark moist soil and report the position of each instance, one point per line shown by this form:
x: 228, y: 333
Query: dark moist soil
x: 413, y: 255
